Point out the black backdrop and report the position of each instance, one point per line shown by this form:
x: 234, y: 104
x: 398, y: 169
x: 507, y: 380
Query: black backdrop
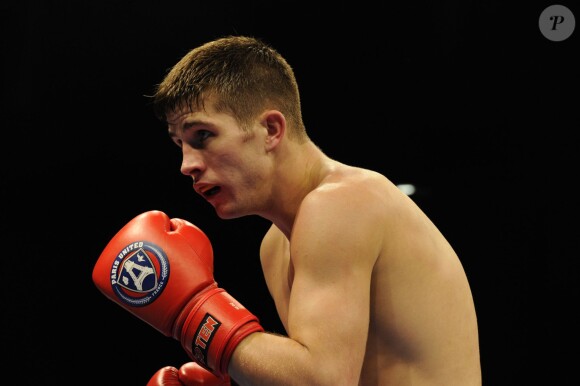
x: 465, y: 99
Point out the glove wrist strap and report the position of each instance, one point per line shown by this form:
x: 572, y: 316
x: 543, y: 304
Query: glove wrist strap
x: 213, y: 329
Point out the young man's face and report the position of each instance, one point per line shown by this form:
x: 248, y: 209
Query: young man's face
x: 228, y: 164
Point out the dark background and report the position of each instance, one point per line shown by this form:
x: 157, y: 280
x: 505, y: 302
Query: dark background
x: 466, y: 99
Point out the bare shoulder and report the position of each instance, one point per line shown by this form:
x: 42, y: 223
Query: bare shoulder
x: 351, y: 204
x: 354, y: 193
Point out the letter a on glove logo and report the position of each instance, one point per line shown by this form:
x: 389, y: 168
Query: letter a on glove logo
x: 139, y: 273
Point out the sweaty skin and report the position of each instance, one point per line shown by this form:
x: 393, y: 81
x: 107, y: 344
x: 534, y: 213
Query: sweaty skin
x: 368, y: 289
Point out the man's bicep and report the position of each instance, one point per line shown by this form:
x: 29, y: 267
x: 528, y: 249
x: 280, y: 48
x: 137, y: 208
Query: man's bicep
x: 336, y: 311
x: 330, y: 296
x: 330, y: 317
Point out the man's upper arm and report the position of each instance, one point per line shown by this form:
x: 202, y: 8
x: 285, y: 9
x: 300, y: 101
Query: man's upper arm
x: 333, y: 250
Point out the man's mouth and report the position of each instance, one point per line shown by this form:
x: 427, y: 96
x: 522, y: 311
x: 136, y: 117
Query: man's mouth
x: 211, y: 191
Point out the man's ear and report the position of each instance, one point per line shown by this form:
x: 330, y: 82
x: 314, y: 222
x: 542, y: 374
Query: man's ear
x: 275, y: 124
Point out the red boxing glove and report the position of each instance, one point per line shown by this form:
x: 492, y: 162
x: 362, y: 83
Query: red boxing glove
x: 161, y: 270
x: 190, y: 374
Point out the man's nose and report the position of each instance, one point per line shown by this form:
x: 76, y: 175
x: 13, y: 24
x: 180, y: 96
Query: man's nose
x: 191, y: 162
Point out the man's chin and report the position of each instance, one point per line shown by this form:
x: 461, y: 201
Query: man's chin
x: 224, y: 214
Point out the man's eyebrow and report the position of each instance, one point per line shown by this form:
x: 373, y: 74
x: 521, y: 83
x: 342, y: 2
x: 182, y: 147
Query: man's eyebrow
x: 189, y: 124
x: 183, y: 126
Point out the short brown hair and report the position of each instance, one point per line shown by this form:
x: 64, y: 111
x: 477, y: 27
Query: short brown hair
x: 244, y: 74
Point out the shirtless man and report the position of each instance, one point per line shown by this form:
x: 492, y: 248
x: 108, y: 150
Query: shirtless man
x: 368, y: 289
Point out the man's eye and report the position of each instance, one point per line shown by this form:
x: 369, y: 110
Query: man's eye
x: 200, y: 137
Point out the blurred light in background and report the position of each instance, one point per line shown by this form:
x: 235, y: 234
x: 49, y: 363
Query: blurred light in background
x: 408, y: 189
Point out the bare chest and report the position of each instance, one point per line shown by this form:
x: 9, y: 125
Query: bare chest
x: 279, y: 275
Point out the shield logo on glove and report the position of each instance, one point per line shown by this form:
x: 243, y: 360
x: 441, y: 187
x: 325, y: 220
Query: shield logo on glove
x: 139, y: 273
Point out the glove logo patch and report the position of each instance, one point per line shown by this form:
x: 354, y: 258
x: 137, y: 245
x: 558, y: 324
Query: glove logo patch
x: 139, y: 273
x: 203, y: 337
